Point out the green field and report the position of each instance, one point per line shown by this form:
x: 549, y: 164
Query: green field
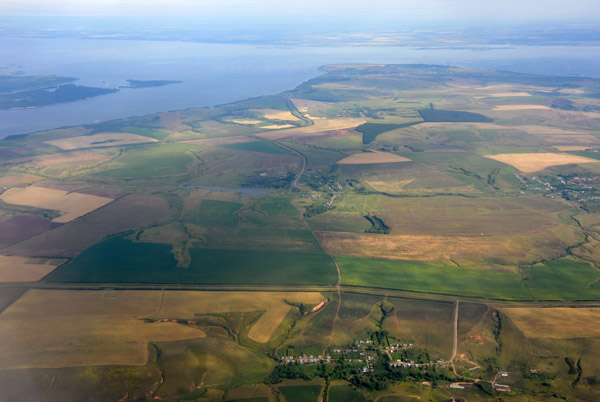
x: 428, y: 278
x: 259, y: 146
x: 118, y: 259
x: 300, y: 393
x: 259, y: 267
x: 564, y: 279
x: 150, y: 161
x: 345, y: 393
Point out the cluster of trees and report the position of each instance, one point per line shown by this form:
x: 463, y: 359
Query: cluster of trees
x: 377, y: 225
x: 379, y: 379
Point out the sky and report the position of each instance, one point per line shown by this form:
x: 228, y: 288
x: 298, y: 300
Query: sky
x: 423, y: 10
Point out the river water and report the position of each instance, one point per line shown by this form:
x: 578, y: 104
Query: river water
x: 213, y: 74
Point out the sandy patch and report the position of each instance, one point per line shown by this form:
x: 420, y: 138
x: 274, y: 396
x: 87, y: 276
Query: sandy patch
x: 321, y: 125
x: 71, y: 205
x: 532, y: 162
x: 246, y: 121
x: 305, y: 105
x: 558, y: 323
x: 567, y: 148
x: 372, y: 157
x: 276, y: 126
x: 25, y: 269
x: 100, y: 140
x: 521, y: 107
x: 275, y: 114
x: 508, y: 94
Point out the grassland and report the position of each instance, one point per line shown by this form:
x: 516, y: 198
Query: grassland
x: 542, y: 323
x: 151, y: 160
x: 429, y: 278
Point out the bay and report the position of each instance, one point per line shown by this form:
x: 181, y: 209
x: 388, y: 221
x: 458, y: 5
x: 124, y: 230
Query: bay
x: 214, y: 74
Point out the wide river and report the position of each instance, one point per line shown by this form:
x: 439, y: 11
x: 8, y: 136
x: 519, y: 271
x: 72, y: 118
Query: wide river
x: 214, y: 73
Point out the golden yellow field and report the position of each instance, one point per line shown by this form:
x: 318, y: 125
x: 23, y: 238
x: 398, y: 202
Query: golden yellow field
x: 372, y: 157
x: 65, y: 328
x: 61, y: 328
x: 24, y: 269
x: 532, y: 162
x: 71, y: 205
x: 100, y: 140
x: 556, y: 322
x: 521, y: 107
x: 268, y: 323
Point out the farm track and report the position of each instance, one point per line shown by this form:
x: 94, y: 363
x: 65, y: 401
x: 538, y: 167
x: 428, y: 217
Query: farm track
x: 338, y: 286
x: 303, y: 288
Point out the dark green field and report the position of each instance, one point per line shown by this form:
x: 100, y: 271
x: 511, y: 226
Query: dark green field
x: 437, y: 115
x: 259, y: 267
x: 120, y: 260
x: 300, y: 393
x: 370, y: 131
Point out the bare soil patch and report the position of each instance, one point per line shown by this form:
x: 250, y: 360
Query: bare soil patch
x: 100, y: 140
x: 126, y: 213
x: 372, y: 157
x: 558, y: 322
x: 71, y: 205
x: 25, y: 269
x: 567, y: 148
x: 19, y: 228
x: 533, y: 162
x: 521, y: 107
x: 321, y: 125
x: 9, y: 181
